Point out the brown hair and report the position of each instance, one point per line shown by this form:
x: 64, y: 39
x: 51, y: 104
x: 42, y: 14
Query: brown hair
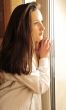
x: 17, y: 46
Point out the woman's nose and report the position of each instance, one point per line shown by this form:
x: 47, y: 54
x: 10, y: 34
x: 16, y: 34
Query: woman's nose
x: 42, y: 27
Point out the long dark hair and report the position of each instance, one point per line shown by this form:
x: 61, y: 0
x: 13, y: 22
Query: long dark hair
x: 16, y: 49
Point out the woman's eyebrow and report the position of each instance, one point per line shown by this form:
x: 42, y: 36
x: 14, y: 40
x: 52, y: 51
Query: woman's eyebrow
x: 37, y: 20
x: 34, y: 21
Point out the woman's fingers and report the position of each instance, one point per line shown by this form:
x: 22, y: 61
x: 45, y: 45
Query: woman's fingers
x: 45, y: 47
x: 45, y: 43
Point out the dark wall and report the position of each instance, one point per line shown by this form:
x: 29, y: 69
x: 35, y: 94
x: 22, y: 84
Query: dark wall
x: 1, y: 18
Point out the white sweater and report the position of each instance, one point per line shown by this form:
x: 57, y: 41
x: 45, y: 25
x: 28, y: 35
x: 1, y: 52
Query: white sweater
x: 24, y: 92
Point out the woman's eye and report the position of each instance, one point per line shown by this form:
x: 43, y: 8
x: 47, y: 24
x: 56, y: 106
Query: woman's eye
x: 36, y: 22
x: 42, y: 21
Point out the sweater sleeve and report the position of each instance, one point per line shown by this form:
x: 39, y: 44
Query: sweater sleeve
x: 39, y: 80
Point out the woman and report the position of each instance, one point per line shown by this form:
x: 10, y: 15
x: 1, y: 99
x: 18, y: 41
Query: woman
x: 24, y: 74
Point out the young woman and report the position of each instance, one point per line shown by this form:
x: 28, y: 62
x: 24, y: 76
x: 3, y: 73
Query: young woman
x: 24, y: 67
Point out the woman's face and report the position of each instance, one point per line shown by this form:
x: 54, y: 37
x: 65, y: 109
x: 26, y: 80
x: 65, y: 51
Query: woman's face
x: 37, y: 26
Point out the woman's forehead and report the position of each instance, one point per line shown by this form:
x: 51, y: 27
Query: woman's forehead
x: 36, y: 15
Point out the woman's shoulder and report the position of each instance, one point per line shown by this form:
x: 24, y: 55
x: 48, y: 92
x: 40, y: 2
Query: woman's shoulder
x: 6, y: 76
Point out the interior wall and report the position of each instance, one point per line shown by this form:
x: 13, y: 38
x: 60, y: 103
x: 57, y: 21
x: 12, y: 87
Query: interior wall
x: 7, y: 11
x: 1, y: 20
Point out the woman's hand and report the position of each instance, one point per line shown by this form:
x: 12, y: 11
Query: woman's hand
x: 43, y: 48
